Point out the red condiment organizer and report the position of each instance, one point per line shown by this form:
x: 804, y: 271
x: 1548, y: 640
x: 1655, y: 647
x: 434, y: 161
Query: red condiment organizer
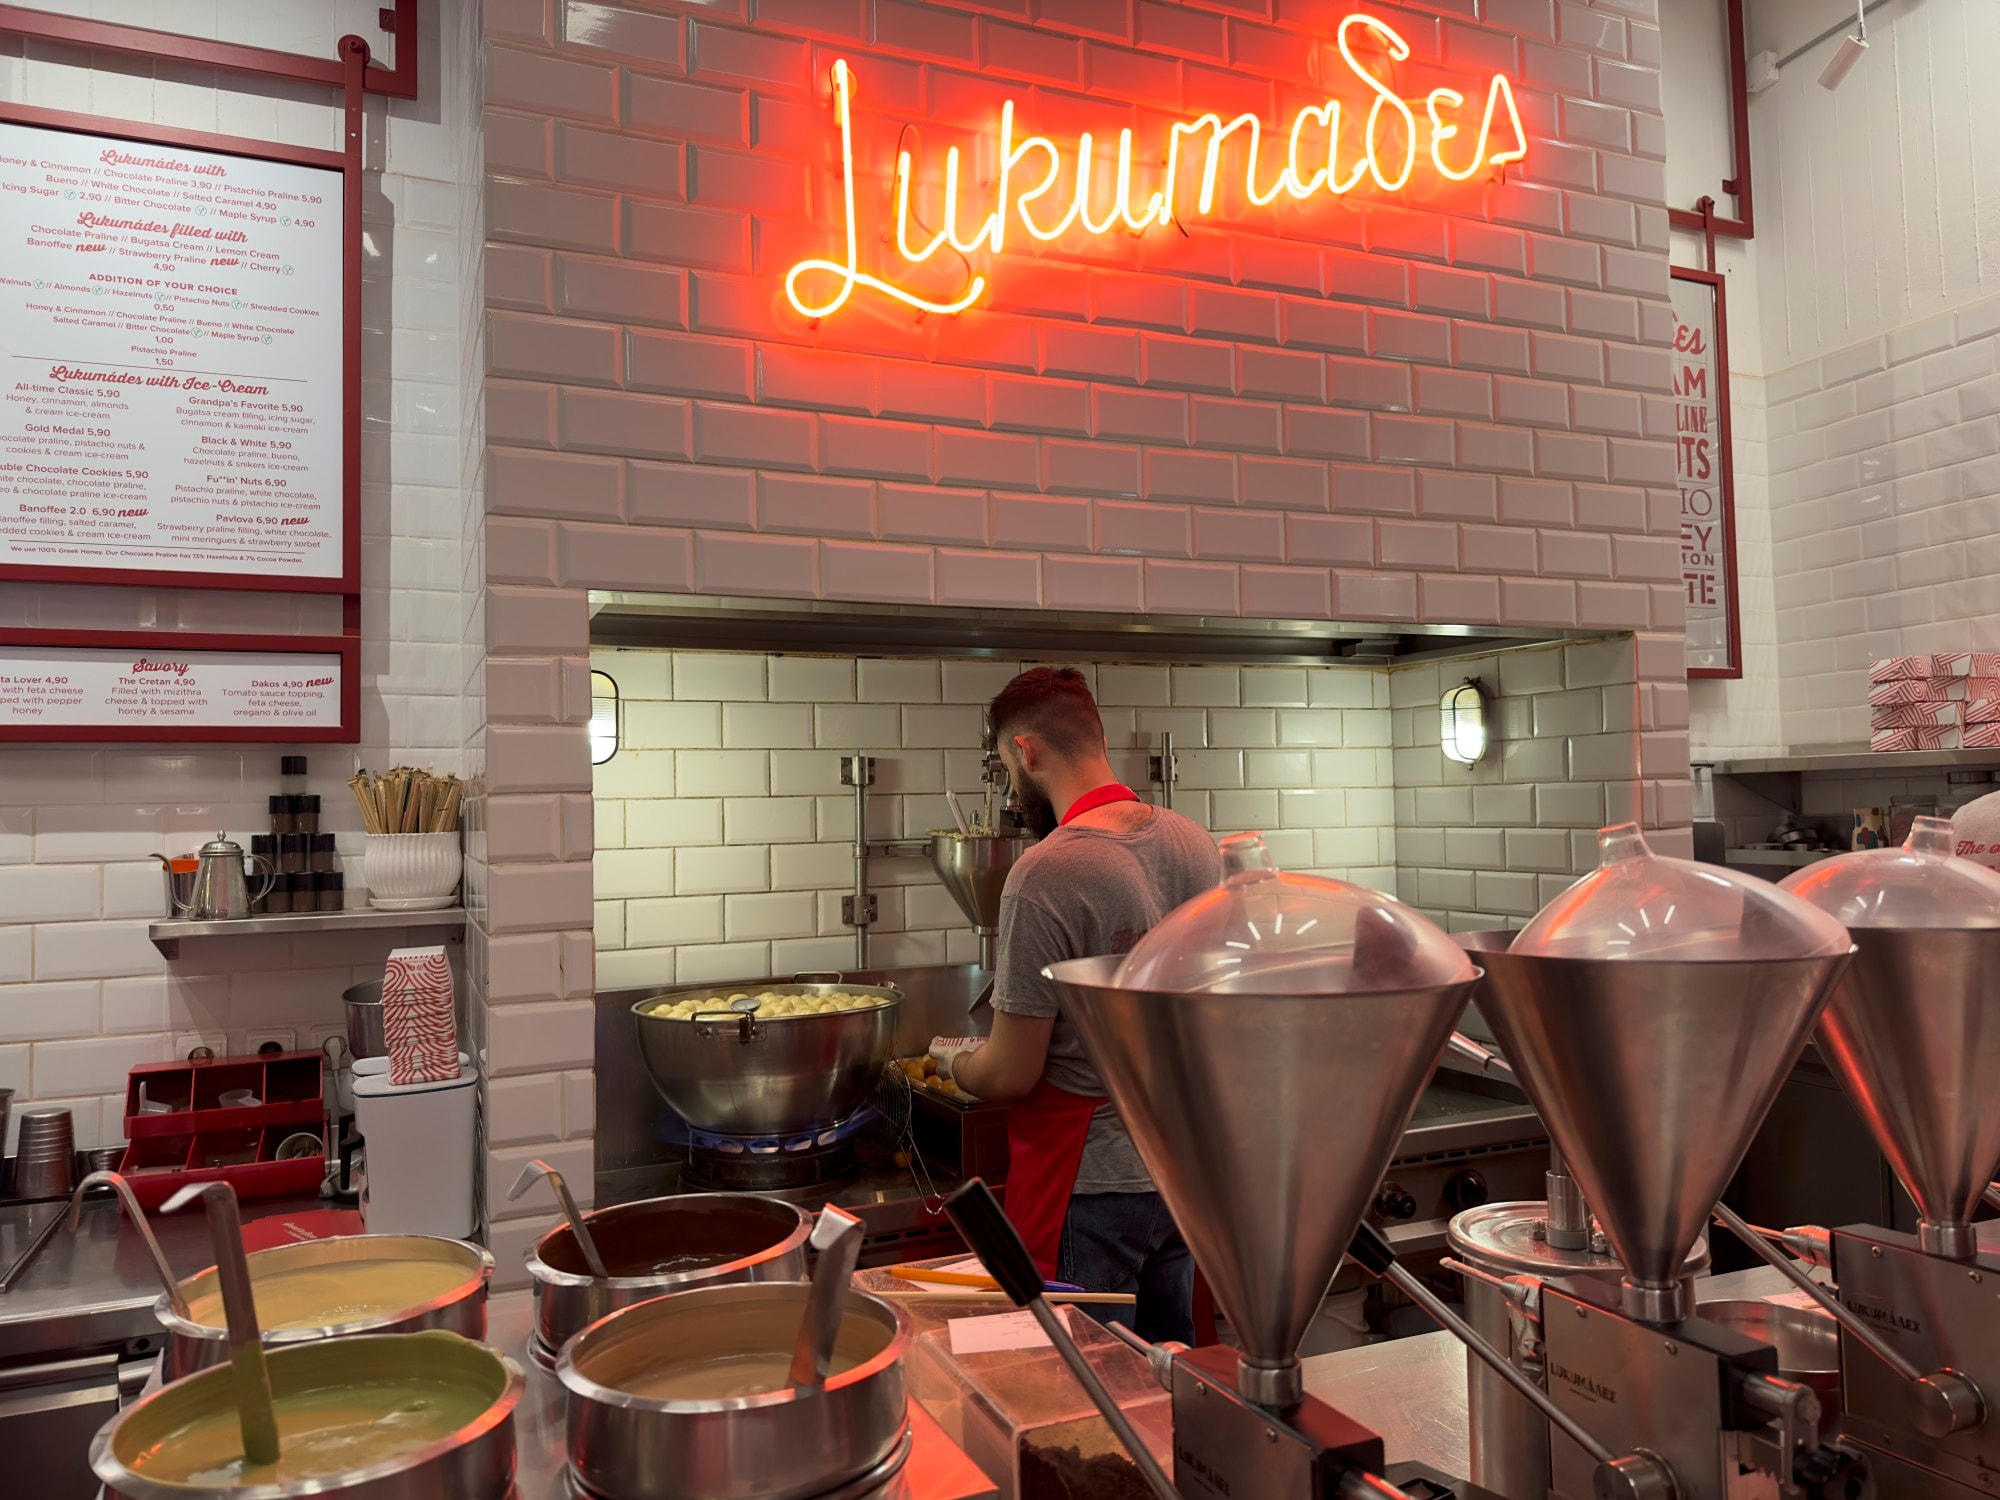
x: 201, y: 1140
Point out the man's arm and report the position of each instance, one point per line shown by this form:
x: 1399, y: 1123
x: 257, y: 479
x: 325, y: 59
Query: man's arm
x: 1009, y: 1065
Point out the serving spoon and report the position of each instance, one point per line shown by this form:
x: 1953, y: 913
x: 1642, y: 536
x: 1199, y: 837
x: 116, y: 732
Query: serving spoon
x: 251, y: 1376
x: 837, y: 1238
x: 137, y: 1215
x: 539, y: 1168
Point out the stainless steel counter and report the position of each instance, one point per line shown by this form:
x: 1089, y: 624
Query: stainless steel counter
x: 94, y: 1289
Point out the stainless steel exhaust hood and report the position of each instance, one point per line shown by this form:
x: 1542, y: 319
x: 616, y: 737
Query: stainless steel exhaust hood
x: 814, y: 628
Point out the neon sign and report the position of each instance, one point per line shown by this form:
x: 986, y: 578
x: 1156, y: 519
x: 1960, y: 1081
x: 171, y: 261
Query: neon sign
x: 1104, y: 198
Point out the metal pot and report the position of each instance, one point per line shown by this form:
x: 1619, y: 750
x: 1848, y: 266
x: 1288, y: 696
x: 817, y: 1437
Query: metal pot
x: 746, y: 1075
x: 364, y: 1019
x: 781, y: 1446
x: 1807, y: 1341
x: 763, y: 1238
x: 474, y: 1463
x: 195, y: 1346
x: 1508, y: 1438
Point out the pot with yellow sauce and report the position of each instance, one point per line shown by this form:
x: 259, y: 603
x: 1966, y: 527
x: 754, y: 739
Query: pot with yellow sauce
x: 365, y: 1418
x: 321, y: 1289
x: 688, y: 1397
x: 661, y: 1245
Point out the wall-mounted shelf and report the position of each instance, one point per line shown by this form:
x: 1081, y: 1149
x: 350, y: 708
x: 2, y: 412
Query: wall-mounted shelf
x: 167, y: 935
x: 1790, y: 859
x: 1886, y: 763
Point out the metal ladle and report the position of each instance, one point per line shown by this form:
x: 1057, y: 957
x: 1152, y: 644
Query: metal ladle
x: 837, y: 1238
x: 539, y: 1168
x: 138, y: 1217
x: 251, y: 1376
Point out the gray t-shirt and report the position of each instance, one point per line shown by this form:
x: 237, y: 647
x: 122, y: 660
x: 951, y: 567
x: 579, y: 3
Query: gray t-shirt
x: 1086, y: 892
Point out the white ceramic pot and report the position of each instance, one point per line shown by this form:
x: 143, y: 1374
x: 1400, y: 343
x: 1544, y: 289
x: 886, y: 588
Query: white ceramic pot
x: 411, y: 866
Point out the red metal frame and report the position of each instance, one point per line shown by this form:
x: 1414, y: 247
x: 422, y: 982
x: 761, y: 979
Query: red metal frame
x: 346, y: 647
x: 348, y: 165
x: 1717, y: 284
x: 399, y: 82
x: 349, y: 71
x: 1744, y: 225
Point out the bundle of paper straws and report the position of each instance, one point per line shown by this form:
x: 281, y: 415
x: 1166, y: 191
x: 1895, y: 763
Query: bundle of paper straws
x: 407, y: 800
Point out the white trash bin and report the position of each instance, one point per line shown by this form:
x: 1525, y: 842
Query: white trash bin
x: 420, y: 1140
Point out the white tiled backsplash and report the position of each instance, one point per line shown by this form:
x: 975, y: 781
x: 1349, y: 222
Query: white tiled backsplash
x: 724, y: 834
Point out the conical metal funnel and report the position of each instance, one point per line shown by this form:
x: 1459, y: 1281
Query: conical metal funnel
x: 1652, y: 1078
x: 1266, y: 1121
x: 974, y: 869
x: 1913, y: 1031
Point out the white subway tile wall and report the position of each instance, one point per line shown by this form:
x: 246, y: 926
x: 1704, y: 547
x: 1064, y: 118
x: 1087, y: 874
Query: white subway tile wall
x: 83, y: 993
x: 1885, y: 513
x: 695, y: 884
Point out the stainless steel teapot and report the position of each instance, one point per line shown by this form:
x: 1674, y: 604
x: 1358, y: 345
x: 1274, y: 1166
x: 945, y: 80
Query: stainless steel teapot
x: 221, y: 890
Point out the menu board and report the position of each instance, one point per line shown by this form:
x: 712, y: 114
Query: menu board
x: 171, y: 360
x: 79, y: 688
x: 1702, y: 465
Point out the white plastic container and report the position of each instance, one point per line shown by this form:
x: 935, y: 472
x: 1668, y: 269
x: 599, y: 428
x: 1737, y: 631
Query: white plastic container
x: 420, y: 1153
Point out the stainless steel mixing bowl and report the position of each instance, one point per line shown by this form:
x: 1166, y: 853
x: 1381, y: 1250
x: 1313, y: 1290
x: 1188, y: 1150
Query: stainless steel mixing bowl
x: 748, y: 1075
x: 758, y: 1239
x: 784, y: 1445
x: 194, y: 1346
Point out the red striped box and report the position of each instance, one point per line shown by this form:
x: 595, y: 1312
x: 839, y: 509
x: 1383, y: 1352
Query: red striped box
x: 1983, y: 711
x: 1984, y: 735
x: 1921, y: 738
x: 419, y: 1018
x: 1916, y: 690
x: 1895, y: 668
x: 1917, y: 715
x: 1952, y: 664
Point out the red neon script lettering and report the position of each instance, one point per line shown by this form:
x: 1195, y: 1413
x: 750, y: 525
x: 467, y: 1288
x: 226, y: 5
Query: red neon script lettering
x: 1105, y: 198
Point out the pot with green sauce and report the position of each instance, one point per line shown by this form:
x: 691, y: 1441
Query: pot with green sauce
x: 407, y: 1417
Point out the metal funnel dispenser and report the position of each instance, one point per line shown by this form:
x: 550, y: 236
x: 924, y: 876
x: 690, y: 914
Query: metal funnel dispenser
x: 1652, y: 1012
x: 1265, y: 1045
x: 973, y: 867
x: 1913, y: 1029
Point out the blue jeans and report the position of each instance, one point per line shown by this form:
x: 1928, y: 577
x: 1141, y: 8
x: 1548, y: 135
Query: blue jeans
x: 1127, y: 1242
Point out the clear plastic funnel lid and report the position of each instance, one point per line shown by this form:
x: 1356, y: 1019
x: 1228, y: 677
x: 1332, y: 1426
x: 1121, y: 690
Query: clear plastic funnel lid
x: 1922, y: 884
x: 1262, y: 932
x: 1647, y: 906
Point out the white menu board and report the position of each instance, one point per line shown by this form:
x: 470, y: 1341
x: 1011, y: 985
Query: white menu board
x: 89, y: 688
x: 170, y: 359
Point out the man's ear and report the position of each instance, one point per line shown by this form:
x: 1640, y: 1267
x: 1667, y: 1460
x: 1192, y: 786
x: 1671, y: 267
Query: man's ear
x: 1027, y: 752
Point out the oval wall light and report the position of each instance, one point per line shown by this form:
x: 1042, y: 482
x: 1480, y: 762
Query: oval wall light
x: 1462, y: 723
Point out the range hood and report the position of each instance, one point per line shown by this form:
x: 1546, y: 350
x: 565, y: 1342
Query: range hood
x: 813, y: 628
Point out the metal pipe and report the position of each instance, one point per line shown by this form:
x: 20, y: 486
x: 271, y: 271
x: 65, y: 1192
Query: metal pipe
x: 1833, y: 31
x: 1502, y: 1366
x: 861, y: 778
x: 1783, y: 1264
x: 1568, y: 1226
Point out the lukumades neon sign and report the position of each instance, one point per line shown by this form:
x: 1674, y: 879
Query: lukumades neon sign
x: 1320, y: 156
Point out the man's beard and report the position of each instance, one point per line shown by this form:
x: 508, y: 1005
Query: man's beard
x: 1038, y: 814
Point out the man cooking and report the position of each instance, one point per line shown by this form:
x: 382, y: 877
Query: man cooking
x: 1108, y: 867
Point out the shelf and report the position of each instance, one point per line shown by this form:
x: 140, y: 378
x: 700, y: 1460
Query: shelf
x: 167, y: 935
x: 1791, y: 859
x: 1885, y: 763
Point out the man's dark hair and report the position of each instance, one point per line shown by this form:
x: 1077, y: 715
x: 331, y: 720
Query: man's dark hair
x: 1053, y: 702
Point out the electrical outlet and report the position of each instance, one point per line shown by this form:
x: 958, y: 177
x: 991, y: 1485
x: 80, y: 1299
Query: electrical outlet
x: 321, y: 1033
x: 186, y: 1041
x: 286, y: 1038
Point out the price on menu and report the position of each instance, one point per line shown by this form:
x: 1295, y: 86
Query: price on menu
x: 170, y: 359
x: 85, y: 688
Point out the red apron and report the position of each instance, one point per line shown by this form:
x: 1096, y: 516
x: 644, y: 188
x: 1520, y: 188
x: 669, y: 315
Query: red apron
x: 1047, y: 1129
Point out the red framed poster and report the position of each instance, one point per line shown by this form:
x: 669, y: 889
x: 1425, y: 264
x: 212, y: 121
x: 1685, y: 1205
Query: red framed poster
x: 107, y: 685
x: 180, y: 342
x: 1704, y: 465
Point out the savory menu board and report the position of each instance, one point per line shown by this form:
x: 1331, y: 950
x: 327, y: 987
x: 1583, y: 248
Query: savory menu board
x: 271, y: 692
x: 171, y: 347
